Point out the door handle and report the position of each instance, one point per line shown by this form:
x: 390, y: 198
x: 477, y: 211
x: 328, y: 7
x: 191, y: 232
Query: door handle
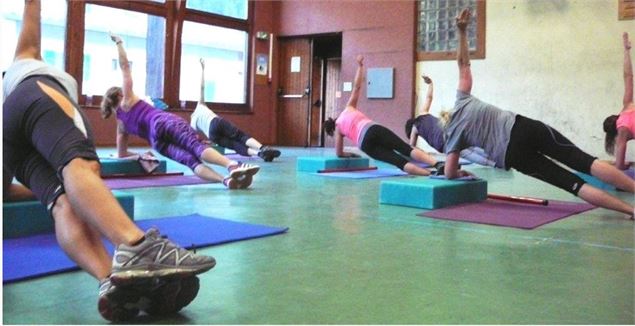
x: 292, y: 96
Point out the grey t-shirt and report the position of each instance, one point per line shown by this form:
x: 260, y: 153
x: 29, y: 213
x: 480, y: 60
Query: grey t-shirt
x: 476, y: 123
x: 23, y: 68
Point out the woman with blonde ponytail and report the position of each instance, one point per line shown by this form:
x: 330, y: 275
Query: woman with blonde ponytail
x: 514, y: 141
x: 167, y: 133
x: 430, y: 128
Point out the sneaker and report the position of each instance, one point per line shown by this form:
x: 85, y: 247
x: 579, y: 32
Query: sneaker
x: 240, y: 169
x: 154, y: 260
x: 116, y: 304
x: 172, y: 297
x: 268, y: 153
x: 242, y: 182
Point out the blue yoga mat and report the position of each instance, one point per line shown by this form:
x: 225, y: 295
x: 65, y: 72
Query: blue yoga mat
x: 40, y: 255
x: 365, y: 174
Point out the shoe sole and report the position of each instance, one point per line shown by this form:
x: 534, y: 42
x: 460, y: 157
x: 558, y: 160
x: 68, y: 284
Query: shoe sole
x: 172, y: 297
x: 240, y: 172
x: 148, y: 276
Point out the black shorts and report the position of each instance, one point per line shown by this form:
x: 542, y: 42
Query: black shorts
x: 224, y: 133
x: 533, y: 146
x: 39, y: 139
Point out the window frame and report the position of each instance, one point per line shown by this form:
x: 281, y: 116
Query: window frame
x: 478, y: 53
x: 175, y: 14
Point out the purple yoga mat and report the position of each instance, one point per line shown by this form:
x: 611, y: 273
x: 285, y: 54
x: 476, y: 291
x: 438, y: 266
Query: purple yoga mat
x: 155, y: 181
x: 240, y: 158
x: 505, y: 213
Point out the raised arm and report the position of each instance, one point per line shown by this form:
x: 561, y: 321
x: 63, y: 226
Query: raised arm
x: 129, y: 97
x: 202, y: 98
x: 357, y: 83
x: 30, y: 36
x: 628, y: 72
x: 427, y: 103
x: 463, y: 52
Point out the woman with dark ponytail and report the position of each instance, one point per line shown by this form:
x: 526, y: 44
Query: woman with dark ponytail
x: 620, y: 128
x: 373, y: 139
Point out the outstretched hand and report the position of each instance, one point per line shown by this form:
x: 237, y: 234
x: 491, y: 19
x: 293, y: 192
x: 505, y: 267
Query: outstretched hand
x: 115, y: 38
x: 360, y: 59
x: 627, y: 42
x: 202, y: 62
x: 463, y: 19
x: 427, y: 79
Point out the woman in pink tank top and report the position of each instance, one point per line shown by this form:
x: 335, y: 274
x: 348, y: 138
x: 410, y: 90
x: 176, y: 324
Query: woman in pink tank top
x: 620, y: 128
x: 373, y: 139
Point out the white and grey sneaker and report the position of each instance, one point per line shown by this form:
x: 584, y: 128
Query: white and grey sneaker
x: 154, y: 260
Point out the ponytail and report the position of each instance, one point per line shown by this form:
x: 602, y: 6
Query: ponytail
x: 610, y: 129
x: 110, y: 102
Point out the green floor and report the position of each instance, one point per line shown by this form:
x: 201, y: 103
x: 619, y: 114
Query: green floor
x: 348, y: 260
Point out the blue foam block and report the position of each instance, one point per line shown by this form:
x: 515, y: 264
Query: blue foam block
x: 431, y: 193
x: 122, y: 166
x: 595, y: 182
x: 317, y: 163
x: 30, y: 217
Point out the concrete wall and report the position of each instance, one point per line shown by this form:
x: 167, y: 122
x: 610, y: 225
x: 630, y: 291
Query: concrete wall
x: 559, y: 61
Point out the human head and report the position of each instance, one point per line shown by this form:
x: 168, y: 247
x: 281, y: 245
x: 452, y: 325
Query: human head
x: 409, y: 124
x: 111, y: 101
x: 329, y: 126
x: 610, y: 129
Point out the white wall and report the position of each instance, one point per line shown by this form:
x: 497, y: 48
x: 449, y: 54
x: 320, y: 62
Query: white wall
x: 559, y: 61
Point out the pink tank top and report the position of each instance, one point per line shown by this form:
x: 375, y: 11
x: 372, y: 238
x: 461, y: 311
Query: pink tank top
x: 351, y: 123
x: 627, y: 119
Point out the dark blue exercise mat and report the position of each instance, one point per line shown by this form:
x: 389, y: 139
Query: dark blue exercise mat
x: 40, y: 255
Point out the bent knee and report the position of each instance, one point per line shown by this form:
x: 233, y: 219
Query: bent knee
x: 82, y: 164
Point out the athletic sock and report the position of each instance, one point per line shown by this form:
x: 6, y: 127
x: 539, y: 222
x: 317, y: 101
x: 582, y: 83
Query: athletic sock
x: 138, y: 242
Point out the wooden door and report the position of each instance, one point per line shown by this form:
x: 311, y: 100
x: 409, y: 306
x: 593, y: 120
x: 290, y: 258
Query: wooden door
x: 294, y: 91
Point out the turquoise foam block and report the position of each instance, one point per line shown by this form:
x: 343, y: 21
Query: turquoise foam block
x: 316, y: 163
x: 595, y: 182
x: 31, y: 217
x: 119, y: 166
x: 431, y: 193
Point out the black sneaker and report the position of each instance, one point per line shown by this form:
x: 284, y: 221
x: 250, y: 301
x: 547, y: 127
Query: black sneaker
x: 172, y: 297
x: 117, y: 304
x: 268, y: 153
x: 155, y: 260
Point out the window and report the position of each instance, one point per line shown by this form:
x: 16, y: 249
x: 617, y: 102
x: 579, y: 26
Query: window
x: 626, y: 9
x: 436, y: 32
x: 144, y: 40
x: 225, y: 54
x: 53, y: 31
x: 230, y: 8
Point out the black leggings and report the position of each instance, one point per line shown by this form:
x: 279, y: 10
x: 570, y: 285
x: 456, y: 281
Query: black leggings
x: 380, y: 143
x: 39, y: 139
x: 224, y: 133
x: 531, y: 145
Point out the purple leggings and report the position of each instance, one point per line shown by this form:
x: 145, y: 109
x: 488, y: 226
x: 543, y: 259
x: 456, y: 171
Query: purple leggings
x: 173, y: 137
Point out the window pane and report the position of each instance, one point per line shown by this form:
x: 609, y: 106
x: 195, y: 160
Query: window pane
x: 53, y: 31
x: 231, y: 8
x: 144, y: 40
x: 225, y: 54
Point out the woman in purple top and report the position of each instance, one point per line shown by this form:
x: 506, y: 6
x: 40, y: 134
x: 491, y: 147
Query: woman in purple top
x: 167, y: 133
